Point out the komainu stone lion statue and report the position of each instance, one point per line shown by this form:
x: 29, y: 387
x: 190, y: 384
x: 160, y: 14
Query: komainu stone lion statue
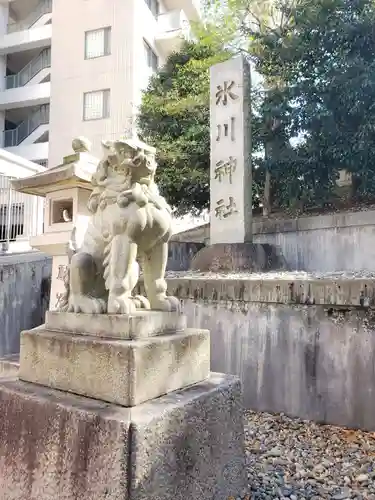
x: 131, y: 224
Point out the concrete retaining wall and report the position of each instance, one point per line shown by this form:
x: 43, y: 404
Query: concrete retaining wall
x: 180, y: 255
x: 24, y: 296
x: 312, y: 361
x: 338, y: 242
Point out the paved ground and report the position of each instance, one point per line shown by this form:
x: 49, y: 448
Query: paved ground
x: 293, y: 459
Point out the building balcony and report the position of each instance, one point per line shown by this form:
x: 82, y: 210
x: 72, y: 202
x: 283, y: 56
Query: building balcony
x: 29, y: 95
x: 173, y: 29
x: 40, y: 16
x: 30, y: 138
x: 30, y: 130
x: 34, y: 38
x: 36, y: 71
x: 37, y: 152
x: 190, y: 7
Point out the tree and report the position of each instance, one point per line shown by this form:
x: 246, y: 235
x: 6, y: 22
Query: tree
x: 174, y: 116
x: 331, y: 72
x: 316, y: 57
x: 247, y: 25
x: 316, y: 61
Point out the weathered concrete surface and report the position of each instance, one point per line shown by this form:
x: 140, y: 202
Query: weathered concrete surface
x: 237, y: 257
x: 57, y: 446
x: 188, y: 444
x: 124, y: 372
x: 181, y: 254
x: 314, y: 362
x: 24, y: 296
x: 335, y: 242
x: 289, y: 290
x: 324, y: 243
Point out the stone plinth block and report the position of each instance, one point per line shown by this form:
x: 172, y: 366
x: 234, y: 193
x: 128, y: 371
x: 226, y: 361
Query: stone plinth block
x: 237, y: 257
x: 124, y: 372
x: 141, y: 324
x: 59, y: 446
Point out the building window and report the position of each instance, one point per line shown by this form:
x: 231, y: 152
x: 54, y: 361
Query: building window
x: 153, y: 5
x: 96, y: 105
x: 97, y: 43
x: 151, y: 58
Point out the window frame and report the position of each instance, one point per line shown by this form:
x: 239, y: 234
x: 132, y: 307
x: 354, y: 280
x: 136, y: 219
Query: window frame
x: 107, y: 30
x: 106, y: 105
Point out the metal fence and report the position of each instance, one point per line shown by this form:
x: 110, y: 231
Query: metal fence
x: 21, y: 216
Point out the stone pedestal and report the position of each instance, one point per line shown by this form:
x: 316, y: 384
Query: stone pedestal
x: 123, y: 372
x: 118, y: 326
x: 119, y: 408
x: 186, y: 445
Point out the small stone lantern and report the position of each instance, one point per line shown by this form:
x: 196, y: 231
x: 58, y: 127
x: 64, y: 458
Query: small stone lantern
x: 67, y: 189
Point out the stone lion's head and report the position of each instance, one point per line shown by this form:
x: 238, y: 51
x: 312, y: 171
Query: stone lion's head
x: 130, y: 157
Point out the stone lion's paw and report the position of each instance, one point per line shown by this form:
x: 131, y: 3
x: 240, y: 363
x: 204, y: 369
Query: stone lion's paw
x: 141, y: 302
x: 166, y: 303
x: 121, y: 305
x: 86, y: 304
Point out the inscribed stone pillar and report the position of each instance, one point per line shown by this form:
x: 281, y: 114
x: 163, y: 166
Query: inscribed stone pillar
x: 231, y: 171
x: 231, y: 248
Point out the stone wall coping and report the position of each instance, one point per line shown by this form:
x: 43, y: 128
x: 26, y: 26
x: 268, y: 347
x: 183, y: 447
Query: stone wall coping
x: 352, y: 292
x: 21, y: 258
x: 342, y: 219
x: 285, y: 225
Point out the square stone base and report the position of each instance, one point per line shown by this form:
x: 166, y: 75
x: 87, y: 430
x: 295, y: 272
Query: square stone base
x: 58, y: 446
x: 123, y: 372
x: 139, y: 325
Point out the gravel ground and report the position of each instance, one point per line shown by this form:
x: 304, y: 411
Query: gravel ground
x: 281, y: 275
x: 294, y: 459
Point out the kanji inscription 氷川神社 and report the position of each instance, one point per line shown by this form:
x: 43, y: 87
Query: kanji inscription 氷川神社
x: 225, y: 93
x: 224, y: 210
x: 230, y: 152
x: 226, y: 129
x: 225, y: 168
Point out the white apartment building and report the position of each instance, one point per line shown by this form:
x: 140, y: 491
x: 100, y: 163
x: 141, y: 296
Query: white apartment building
x: 77, y: 67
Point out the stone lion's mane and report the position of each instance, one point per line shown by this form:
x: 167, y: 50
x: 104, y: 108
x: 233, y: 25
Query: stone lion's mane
x: 107, y: 187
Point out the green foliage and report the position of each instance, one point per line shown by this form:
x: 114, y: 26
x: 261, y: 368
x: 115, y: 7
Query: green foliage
x: 174, y: 116
x: 316, y: 58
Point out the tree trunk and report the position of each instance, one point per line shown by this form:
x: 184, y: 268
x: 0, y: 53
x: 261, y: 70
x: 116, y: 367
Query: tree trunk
x: 267, y: 186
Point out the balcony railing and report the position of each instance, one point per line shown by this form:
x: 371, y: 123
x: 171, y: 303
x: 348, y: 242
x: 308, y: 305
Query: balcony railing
x: 15, y: 136
x: 41, y: 61
x: 44, y: 7
x: 43, y: 163
x: 21, y: 215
